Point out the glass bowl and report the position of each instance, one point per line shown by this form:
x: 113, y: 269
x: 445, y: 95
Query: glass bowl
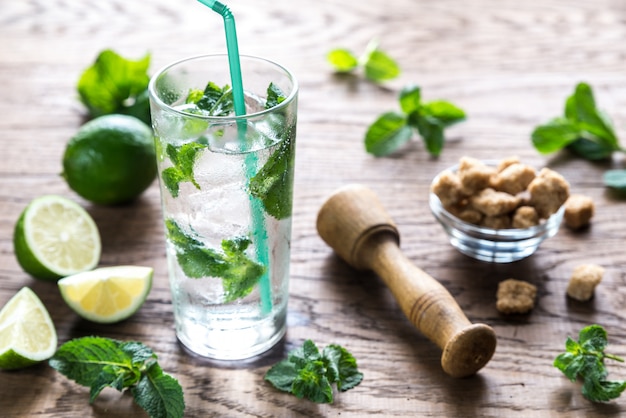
x: 493, y: 245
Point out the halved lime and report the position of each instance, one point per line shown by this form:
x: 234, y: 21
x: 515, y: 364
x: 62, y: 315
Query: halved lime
x: 107, y: 294
x: 55, y: 237
x: 27, y: 334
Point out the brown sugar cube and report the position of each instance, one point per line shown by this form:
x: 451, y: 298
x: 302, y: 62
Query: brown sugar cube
x: 584, y: 280
x: 548, y: 191
x: 474, y: 175
x: 578, y: 211
x: 466, y: 213
x: 525, y: 217
x: 496, y: 222
x: 493, y: 203
x: 505, y: 162
x: 515, y: 296
x: 447, y: 187
x: 514, y: 179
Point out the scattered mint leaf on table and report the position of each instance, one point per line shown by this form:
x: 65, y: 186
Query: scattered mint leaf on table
x: 342, y: 60
x: 585, y: 359
x: 238, y: 272
x: 99, y: 362
x: 309, y: 373
x: 616, y: 179
x: 377, y: 65
x: 584, y: 129
x: 392, y: 129
x: 114, y: 84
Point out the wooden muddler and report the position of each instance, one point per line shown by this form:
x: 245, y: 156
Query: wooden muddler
x: 355, y: 224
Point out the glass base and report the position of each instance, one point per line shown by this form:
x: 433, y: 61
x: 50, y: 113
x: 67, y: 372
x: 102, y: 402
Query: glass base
x: 232, y: 342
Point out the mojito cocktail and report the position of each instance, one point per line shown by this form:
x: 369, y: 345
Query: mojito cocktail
x: 226, y: 191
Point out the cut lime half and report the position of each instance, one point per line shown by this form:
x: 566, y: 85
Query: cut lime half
x: 107, y: 294
x: 55, y: 237
x: 27, y: 334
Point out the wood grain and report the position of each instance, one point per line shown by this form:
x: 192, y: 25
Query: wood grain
x: 509, y: 64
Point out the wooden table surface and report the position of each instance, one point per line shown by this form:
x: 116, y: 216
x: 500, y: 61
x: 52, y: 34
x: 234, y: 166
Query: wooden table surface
x: 510, y: 64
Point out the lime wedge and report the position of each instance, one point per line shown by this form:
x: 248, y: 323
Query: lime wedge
x: 55, y: 237
x: 107, y: 294
x: 27, y: 334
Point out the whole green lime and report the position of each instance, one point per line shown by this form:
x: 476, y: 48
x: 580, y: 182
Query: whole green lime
x: 111, y: 159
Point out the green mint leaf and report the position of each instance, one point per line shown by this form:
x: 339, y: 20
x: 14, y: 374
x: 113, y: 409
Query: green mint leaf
x: 585, y: 130
x: 194, y: 96
x: 602, y: 390
x: 217, y: 101
x: 275, y: 96
x: 273, y: 184
x: 387, y: 134
x: 379, y: 66
x: 159, y: 394
x: 555, y: 135
x: 239, y: 273
x: 591, y: 148
x: 572, y: 346
x: 444, y: 112
x: 410, y: 99
x: 282, y: 375
x: 98, y: 363
x: 183, y: 158
x: 83, y: 359
x: 615, y: 179
x: 342, y: 60
x: 431, y: 131
x: 570, y: 364
x: 307, y: 373
x: 585, y: 359
x: 109, y: 376
x: 138, y: 352
x: 581, y: 107
x: 343, y: 365
x: 311, y: 383
x: 593, y: 338
x: 114, y: 84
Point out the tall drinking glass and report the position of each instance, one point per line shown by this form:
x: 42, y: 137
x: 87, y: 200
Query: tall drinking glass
x: 226, y: 185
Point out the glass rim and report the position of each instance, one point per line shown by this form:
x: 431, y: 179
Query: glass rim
x: 222, y: 119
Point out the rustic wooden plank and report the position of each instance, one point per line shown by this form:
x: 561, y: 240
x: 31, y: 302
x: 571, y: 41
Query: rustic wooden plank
x: 509, y: 64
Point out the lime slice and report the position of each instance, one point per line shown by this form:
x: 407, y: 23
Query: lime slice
x: 107, y: 294
x: 55, y: 237
x: 27, y: 334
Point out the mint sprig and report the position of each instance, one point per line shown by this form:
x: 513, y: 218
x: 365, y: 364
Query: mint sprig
x: 393, y: 129
x: 238, y: 272
x: 214, y: 100
x: 99, y: 362
x: 114, y: 84
x: 309, y: 373
x: 273, y: 184
x: 377, y: 65
x: 584, y: 129
x: 616, y: 179
x: 585, y: 359
x: 183, y: 159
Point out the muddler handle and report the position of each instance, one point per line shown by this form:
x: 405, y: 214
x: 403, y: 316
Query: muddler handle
x: 355, y: 224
